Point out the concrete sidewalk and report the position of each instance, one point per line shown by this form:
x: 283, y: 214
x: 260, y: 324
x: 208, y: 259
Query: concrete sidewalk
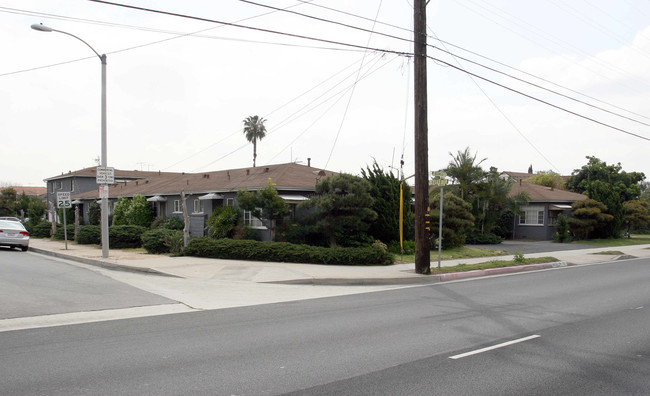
x: 291, y: 273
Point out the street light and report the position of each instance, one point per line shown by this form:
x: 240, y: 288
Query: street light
x: 104, y: 201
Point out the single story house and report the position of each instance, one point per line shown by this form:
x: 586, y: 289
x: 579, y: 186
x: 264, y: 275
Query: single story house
x: 540, y: 214
x: 206, y: 191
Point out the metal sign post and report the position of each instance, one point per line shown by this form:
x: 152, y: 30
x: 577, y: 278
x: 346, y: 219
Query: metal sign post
x: 439, y: 179
x: 63, y: 201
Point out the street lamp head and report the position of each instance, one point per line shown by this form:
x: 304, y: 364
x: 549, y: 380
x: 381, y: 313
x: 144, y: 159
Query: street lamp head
x: 41, y: 28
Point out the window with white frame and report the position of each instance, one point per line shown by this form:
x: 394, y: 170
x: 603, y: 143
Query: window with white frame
x: 177, y: 206
x: 72, y: 185
x: 198, y: 206
x: 230, y: 201
x: 59, y: 185
x: 252, y: 221
x: 532, y: 215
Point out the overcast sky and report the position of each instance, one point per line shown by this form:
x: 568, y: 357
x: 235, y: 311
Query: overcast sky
x: 179, y: 88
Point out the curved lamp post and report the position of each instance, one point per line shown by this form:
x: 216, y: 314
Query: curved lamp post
x: 104, y: 201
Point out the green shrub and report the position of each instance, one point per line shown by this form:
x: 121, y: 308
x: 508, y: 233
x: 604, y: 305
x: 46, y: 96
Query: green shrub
x: 476, y: 238
x: 170, y: 223
x: 222, y: 222
x: 409, y: 247
x: 59, y: 234
x: 245, y: 233
x: 39, y: 230
x: 89, y: 235
x: 285, y: 252
x: 162, y: 240
x: 125, y: 236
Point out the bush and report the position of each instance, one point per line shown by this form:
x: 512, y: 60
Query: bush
x: 162, y: 240
x: 409, y: 247
x: 59, y: 234
x: 89, y: 235
x: 170, y: 223
x: 285, y: 252
x: 476, y: 238
x: 222, y: 222
x: 39, y: 230
x: 125, y: 236
x: 245, y: 233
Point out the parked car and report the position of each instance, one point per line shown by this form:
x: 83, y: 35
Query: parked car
x: 14, y: 234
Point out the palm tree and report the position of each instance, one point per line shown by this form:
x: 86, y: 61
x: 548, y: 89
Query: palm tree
x: 254, y: 130
x: 465, y: 170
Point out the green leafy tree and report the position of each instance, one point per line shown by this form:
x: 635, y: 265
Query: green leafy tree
x: 548, y: 179
x: 466, y: 172
x: 610, y: 185
x: 254, y: 130
x: 562, y: 228
x: 589, y: 217
x: 385, y: 188
x: 264, y: 204
x: 139, y: 212
x: 457, y: 219
x: 636, y: 215
x: 8, y: 205
x: 343, y: 206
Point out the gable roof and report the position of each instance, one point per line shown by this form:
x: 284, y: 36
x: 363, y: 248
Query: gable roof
x: 286, y: 177
x: 539, y: 193
x: 29, y: 190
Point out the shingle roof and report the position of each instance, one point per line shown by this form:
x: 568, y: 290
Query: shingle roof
x: 539, y: 193
x: 285, y: 176
x: 92, y: 172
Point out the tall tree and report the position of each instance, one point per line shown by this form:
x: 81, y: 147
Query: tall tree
x: 465, y: 171
x: 608, y: 184
x: 344, y: 205
x: 8, y: 199
x: 254, y: 130
x: 384, y: 187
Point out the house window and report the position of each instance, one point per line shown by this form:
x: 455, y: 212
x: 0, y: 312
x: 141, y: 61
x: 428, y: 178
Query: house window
x: 72, y: 185
x: 59, y: 185
x: 252, y: 221
x: 230, y: 201
x: 198, y: 206
x: 177, y: 206
x: 533, y: 215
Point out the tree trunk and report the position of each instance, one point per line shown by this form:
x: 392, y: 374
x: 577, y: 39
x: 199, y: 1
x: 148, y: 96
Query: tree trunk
x: 254, y: 151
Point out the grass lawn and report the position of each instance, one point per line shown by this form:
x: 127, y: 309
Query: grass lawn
x: 450, y: 254
x: 492, y: 264
x: 635, y: 240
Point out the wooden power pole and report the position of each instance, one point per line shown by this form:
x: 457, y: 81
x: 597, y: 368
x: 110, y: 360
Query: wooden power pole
x: 422, y: 248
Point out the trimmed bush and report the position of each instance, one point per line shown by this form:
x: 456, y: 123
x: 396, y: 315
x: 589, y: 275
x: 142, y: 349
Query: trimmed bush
x: 476, y: 238
x: 40, y: 230
x: 59, y: 234
x: 409, y: 247
x: 162, y: 240
x: 171, y: 223
x: 125, y: 236
x: 285, y: 252
x: 89, y: 235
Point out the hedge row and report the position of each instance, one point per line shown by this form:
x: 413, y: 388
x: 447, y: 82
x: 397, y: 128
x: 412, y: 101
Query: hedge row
x: 285, y: 252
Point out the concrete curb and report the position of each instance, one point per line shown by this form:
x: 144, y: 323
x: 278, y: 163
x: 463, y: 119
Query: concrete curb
x: 503, y: 270
x: 421, y: 280
x: 100, y: 263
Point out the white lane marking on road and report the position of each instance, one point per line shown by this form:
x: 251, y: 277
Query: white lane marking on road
x: 490, y: 348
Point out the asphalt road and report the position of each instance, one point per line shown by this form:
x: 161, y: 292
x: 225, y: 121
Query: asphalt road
x: 33, y: 285
x: 592, y: 322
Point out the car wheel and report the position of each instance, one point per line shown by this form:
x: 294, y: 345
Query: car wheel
x: 24, y: 248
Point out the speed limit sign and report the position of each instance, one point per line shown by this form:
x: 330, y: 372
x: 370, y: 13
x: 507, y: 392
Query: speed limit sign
x: 63, y: 199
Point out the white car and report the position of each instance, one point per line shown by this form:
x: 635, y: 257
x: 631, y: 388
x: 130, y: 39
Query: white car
x: 13, y: 234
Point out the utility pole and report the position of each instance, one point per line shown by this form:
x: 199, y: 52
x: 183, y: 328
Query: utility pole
x: 422, y: 248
